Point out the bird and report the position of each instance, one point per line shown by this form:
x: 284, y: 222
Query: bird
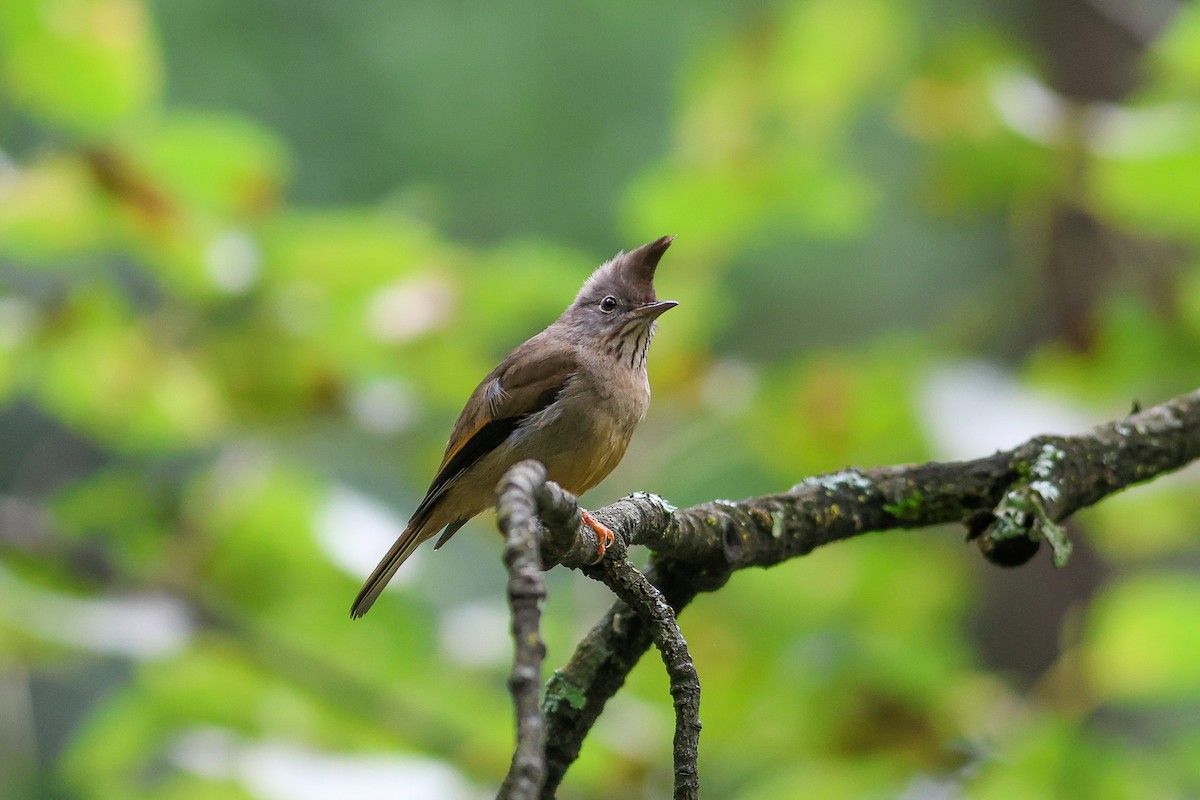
x: 569, y: 397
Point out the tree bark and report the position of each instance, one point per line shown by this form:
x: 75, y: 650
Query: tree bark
x: 1009, y: 502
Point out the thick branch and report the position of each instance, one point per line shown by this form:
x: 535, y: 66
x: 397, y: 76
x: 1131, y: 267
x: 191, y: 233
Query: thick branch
x: 697, y: 548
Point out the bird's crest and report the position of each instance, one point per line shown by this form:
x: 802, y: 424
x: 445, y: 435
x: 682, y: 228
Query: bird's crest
x: 629, y: 276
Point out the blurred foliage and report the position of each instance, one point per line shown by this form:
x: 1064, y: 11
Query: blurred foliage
x: 253, y: 256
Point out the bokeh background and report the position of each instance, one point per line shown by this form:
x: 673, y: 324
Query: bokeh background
x: 254, y: 255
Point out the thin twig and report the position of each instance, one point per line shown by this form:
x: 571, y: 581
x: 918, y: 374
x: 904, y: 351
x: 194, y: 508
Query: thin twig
x: 577, y: 694
x: 517, y: 516
x: 632, y: 587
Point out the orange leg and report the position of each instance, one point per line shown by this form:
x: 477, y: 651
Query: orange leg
x: 606, y: 536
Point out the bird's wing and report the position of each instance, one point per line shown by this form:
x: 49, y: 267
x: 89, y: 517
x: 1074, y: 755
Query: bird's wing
x: 526, y: 382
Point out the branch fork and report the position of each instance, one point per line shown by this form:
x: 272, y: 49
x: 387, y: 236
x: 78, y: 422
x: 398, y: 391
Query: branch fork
x: 1009, y: 502
x: 542, y: 525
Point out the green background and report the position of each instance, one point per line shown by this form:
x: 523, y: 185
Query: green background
x: 254, y: 255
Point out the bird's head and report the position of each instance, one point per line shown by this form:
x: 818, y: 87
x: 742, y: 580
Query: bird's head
x: 617, y: 304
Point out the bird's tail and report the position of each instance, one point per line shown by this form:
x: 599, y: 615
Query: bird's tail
x: 397, y: 555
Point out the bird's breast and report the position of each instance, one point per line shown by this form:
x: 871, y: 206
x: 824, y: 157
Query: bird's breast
x: 582, y: 436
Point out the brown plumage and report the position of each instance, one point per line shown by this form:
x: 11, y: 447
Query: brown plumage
x: 569, y: 397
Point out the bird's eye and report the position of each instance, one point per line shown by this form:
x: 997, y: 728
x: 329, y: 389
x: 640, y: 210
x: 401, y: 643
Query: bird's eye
x: 608, y: 304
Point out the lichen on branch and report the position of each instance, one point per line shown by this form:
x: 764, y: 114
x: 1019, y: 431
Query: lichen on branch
x: 1008, y: 502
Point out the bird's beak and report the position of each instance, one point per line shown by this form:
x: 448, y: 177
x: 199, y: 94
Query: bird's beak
x: 655, y: 310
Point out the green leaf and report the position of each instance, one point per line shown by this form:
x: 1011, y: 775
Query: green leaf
x: 1156, y: 193
x: 126, y: 510
x: 118, y: 379
x: 84, y: 64
x: 213, y: 162
x: 51, y: 208
x: 1143, y: 643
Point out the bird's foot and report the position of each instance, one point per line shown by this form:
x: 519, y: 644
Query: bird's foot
x: 605, y: 535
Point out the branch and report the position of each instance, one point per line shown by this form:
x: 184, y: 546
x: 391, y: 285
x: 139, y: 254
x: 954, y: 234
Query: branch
x: 632, y: 587
x: 517, y: 513
x: 525, y: 497
x: 1010, y: 496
